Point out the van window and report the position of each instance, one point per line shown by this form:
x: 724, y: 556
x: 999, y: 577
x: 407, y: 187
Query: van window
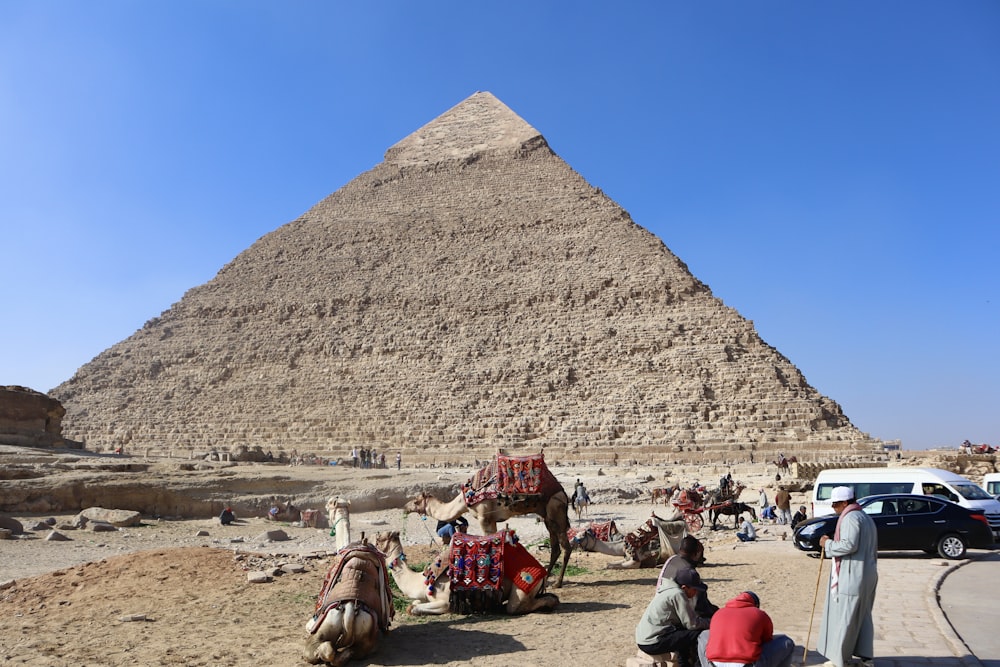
x: 971, y: 491
x: 993, y: 487
x: 862, y: 489
x: 935, y: 489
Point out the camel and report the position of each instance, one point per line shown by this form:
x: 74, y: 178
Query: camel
x: 552, y: 506
x: 782, y: 462
x: 588, y: 541
x: 652, y: 543
x: 353, y: 607
x: 338, y: 510
x: 432, y: 600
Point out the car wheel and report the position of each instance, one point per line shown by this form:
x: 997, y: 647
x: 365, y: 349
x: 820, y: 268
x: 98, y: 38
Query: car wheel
x: 803, y: 544
x: 951, y: 546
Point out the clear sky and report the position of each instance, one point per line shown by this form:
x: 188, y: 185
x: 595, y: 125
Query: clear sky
x: 830, y: 170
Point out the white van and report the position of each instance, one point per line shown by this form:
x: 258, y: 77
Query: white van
x: 924, y: 481
x: 991, y: 482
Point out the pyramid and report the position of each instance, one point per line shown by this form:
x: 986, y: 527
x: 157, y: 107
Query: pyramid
x: 471, y: 292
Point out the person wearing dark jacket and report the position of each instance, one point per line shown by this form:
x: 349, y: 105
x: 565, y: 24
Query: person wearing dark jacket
x: 741, y: 633
x: 689, y: 556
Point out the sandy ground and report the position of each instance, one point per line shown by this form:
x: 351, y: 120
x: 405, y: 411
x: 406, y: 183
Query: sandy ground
x: 68, y: 602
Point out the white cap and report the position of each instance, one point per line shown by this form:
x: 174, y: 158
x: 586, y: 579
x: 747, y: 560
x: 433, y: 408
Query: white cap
x: 841, y: 494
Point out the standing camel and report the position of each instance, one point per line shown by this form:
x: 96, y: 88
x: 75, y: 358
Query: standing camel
x: 552, y: 504
x: 434, y: 599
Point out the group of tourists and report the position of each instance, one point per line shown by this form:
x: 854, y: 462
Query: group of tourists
x: 368, y: 458
x: 680, y: 619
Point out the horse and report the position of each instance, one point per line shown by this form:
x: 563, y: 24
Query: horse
x: 733, y: 508
x: 580, y: 503
x: 784, y: 462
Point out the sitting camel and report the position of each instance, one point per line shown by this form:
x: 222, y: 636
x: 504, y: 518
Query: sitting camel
x: 430, y: 591
x: 353, y: 607
x: 588, y: 541
x: 338, y: 510
x: 652, y: 543
x: 552, y: 505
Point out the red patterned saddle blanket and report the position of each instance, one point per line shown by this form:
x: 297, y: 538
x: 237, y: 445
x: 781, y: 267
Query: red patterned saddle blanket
x: 478, y: 565
x: 641, y: 539
x: 605, y: 531
x: 358, y: 573
x: 511, y: 478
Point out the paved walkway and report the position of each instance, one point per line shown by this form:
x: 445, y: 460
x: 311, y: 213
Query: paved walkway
x: 912, y: 629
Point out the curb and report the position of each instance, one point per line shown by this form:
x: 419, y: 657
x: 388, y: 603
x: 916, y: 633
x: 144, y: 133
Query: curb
x: 957, y: 644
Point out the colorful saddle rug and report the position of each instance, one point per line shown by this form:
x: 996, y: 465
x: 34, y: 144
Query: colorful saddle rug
x: 358, y: 573
x: 511, y: 478
x: 641, y: 540
x: 605, y: 531
x: 478, y: 567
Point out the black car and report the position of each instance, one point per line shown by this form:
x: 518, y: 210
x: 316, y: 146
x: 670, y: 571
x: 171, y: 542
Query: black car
x: 905, y: 521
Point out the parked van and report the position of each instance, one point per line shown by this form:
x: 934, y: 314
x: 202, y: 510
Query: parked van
x: 991, y: 482
x: 924, y: 481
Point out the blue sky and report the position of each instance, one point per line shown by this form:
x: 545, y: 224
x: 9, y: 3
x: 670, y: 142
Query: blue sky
x: 830, y: 170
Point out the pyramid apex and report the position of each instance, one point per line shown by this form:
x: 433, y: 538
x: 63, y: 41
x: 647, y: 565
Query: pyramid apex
x: 480, y: 123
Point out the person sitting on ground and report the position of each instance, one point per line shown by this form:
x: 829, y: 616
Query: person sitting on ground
x: 769, y: 514
x: 747, y: 532
x: 445, y: 529
x: 741, y: 633
x: 670, y: 623
x: 689, y: 556
x: 799, y: 516
x: 227, y: 517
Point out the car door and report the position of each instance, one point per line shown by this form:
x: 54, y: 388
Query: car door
x: 887, y: 522
x: 922, y: 522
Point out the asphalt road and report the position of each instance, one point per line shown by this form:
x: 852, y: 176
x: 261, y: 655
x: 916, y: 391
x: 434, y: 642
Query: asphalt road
x: 968, y: 598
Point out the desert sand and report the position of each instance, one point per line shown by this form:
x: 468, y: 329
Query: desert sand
x: 71, y: 602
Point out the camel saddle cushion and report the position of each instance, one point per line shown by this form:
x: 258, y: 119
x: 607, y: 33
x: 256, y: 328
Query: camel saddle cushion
x: 359, y: 573
x: 478, y: 567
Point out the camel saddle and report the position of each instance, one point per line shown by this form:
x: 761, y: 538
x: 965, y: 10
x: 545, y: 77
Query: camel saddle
x: 641, y: 540
x: 478, y: 565
x: 511, y: 479
x: 358, y: 573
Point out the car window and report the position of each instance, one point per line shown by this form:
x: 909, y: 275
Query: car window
x: 880, y: 508
x: 915, y: 506
x: 972, y: 492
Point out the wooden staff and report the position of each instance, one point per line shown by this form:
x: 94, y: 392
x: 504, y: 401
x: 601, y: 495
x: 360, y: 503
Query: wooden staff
x: 805, y: 649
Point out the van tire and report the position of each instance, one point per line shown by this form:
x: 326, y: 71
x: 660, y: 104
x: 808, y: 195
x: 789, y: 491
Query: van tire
x: 951, y: 546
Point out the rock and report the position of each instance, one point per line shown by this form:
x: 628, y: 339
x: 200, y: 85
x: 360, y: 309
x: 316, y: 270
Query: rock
x: 258, y: 577
x: 276, y: 535
x: 4, y: 585
x: 5, y: 534
x: 102, y: 527
x: 56, y: 536
x: 51, y: 521
x: 293, y: 568
x: 120, y: 518
x: 201, y: 533
x: 29, y: 418
x: 39, y: 526
x: 11, y: 524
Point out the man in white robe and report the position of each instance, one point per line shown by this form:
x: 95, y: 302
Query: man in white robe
x: 847, y: 628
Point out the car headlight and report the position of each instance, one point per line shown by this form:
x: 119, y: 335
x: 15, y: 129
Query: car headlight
x: 810, y: 530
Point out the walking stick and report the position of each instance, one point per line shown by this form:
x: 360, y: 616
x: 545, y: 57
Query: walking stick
x: 805, y: 649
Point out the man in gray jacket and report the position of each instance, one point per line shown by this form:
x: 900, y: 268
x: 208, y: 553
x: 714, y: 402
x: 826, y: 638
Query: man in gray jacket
x: 670, y: 623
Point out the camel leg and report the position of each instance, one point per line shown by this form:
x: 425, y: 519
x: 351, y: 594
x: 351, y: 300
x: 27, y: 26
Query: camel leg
x: 432, y: 608
x: 520, y: 602
x: 558, y: 543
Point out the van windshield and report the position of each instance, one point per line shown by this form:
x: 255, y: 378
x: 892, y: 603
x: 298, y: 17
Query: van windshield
x: 863, y: 489
x: 970, y: 491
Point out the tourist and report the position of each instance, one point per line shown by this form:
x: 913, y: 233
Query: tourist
x: 227, y: 517
x: 399, y: 461
x: 690, y: 554
x: 445, y: 529
x: 783, y: 501
x: 741, y: 633
x: 799, y: 517
x: 670, y: 623
x: 847, y: 629
x: 747, y: 532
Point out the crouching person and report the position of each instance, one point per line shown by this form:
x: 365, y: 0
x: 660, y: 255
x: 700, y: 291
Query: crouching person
x: 741, y: 633
x: 670, y: 623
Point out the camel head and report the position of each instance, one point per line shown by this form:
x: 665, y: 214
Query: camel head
x: 418, y: 504
x: 389, y: 544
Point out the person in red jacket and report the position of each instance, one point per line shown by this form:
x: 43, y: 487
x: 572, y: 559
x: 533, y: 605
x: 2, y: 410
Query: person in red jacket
x: 741, y: 633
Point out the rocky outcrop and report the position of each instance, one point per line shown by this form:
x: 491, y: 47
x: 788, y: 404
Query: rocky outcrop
x: 470, y: 292
x: 29, y: 418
